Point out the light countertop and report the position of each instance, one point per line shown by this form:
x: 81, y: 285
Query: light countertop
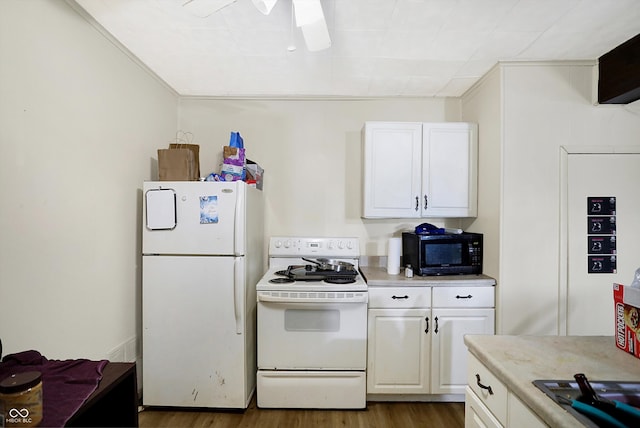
x: 519, y: 360
x: 377, y: 276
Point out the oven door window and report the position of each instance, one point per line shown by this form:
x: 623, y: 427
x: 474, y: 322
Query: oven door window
x: 312, y: 320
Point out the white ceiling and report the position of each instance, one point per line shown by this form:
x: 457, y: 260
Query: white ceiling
x: 379, y: 47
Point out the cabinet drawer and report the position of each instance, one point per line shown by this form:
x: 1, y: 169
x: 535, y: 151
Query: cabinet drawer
x: 476, y: 415
x: 400, y: 297
x: 463, y: 297
x: 496, y: 402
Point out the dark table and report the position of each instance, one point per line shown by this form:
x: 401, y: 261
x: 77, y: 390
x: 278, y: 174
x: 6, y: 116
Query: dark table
x: 114, y: 403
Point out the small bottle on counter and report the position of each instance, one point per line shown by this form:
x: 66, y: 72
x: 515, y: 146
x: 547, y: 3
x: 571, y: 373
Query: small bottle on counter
x: 408, y: 271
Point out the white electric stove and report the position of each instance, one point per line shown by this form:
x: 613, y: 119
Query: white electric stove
x: 312, y: 325
x: 313, y: 264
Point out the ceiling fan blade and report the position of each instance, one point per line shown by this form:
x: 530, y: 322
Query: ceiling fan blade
x: 204, y: 8
x: 264, y: 6
x: 310, y: 19
x: 308, y: 12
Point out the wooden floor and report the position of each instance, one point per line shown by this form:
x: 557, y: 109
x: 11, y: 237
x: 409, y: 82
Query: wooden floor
x: 382, y: 415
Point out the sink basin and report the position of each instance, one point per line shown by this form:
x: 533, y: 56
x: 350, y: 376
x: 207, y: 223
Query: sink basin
x: 625, y: 392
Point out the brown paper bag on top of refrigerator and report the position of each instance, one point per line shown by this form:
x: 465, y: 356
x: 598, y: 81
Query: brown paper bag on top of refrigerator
x: 181, y: 161
x: 196, y: 154
x: 176, y: 165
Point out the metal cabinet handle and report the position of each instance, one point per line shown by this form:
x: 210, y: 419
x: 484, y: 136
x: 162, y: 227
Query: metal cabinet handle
x: 488, y: 388
x: 417, y: 203
x: 400, y: 297
x: 425, y: 202
x: 436, y: 329
x: 468, y: 296
x: 426, y: 330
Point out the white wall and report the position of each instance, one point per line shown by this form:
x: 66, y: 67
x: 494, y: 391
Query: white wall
x: 483, y: 105
x: 542, y: 107
x: 311, y: 153
x: 79, y: 126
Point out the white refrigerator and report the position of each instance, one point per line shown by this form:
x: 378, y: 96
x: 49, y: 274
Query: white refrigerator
x: 202, y: 255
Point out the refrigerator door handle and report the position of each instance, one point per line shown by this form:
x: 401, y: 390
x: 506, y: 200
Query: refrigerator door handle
x: 238, y: 280
x: 239, y: 229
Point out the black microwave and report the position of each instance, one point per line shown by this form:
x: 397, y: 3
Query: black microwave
x: 446, y: 254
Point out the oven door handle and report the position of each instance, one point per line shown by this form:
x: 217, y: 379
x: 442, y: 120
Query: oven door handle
x: 275, y: 297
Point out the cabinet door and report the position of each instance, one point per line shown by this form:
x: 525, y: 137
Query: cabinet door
x: 391, y: 169
x: 449, y: 353
x: 449, y: 170
x: 476, y: 415
x: 398, y: 351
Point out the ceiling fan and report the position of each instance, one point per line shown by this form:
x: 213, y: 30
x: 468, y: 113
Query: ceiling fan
x: 204, y: 8
x: 309, y: 17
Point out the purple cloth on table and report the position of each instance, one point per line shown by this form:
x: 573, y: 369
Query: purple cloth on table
x: 66, y: 384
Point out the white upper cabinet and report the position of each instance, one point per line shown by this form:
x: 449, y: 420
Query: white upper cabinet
x: 392, y: 168
x: 415, y: 169
x: 449, y: 169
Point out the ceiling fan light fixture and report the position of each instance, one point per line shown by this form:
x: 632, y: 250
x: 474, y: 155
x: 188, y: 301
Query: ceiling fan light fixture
x: 264, y: 6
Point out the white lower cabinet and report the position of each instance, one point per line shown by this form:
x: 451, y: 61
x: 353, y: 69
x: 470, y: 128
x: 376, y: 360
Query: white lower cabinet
x: 416, y: 338
x: 489, y: 403
x: 398, y: 357
x: 521, y: 416
x: 448, y: 352
x: 476, y: 414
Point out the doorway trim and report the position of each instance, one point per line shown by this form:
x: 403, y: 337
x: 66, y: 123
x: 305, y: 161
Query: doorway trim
x: 563, y: 250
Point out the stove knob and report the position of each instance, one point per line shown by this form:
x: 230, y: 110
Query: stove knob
x: 287, y: 244
x: 349, y: 245
x: 278, y: 244
x: 340, y: 245
x: 330, y: 245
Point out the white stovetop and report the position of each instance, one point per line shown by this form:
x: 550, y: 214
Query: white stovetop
x: 288, y: 251
x: 265, y: 285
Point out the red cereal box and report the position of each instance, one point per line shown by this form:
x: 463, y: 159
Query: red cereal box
x: 627, y: 314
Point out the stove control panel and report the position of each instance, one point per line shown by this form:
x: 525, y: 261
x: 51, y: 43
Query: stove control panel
x: 314, y: 247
